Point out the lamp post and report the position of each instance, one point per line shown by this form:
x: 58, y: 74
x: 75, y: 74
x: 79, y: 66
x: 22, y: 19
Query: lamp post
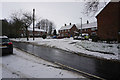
x: 81, y: 27
x: 33, y: 23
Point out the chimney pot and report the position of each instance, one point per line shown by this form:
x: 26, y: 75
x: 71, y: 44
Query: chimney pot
x: 87, y: 22
x: 65, y: 24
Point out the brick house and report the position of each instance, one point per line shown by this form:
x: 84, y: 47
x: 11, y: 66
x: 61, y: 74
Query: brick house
x: 109, y: 22
x: 89, y: 28
x: 67, y: 30
x: 37, y: 32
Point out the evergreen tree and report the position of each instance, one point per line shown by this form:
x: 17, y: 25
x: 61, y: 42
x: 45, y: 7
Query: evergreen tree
x: 55, y: 32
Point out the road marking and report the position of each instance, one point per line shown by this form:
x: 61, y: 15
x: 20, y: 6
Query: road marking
x: 79, y: 71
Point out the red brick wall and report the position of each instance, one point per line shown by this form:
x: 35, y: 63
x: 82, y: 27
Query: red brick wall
x: 74, y: 28
x: 108, y: 21
x: 69, y: 32
x: 88, y: 31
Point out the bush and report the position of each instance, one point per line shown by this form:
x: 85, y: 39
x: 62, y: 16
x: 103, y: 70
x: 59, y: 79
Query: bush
x: 44, y: 36
x: 94, y: 38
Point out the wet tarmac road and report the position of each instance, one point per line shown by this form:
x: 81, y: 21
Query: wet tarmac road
x: 104, y: 69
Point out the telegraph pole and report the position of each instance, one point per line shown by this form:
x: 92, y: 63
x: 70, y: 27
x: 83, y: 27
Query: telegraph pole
x: 33, y: 23
x: 81, y: 26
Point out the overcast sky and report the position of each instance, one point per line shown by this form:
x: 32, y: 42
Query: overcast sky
x: 58, y: 12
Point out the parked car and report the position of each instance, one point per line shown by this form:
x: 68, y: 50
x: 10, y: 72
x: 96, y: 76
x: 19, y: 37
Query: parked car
x: 78, y: 38
x: 54, y: 37
x: 49, y: 37
x: 59, y: 37
x: 75, y: 37
x: 83, y: 37
x: 6, y: 46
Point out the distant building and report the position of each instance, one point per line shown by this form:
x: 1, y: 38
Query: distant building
x: 37, y: 32
x: 89, y: 28
x: 108, y: 20
x: 67, y: 30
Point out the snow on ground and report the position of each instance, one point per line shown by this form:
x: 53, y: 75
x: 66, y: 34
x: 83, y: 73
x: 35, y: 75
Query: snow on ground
x: 0, y: 68
x: 24, y: 65
x: 77, y: 46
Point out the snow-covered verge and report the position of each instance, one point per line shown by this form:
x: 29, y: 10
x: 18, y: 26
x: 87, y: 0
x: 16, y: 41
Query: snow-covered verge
x: 101, y: 50
x: 24, y: 65
x: 0, y: 68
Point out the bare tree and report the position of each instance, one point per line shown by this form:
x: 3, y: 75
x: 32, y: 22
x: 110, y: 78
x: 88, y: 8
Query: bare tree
x: 92, y: 6
x: 25, y: 20
x: 50, y: 28
x: 46, y: 25
x: 38, y: 25
x: 17, y: 23
x: 42, y: 24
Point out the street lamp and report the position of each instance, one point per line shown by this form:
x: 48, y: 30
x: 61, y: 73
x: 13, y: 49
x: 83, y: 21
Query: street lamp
x: 81, y: 27
x: 33, y: 22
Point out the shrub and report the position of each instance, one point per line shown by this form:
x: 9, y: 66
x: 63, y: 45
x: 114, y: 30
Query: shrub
x: 43, y: 36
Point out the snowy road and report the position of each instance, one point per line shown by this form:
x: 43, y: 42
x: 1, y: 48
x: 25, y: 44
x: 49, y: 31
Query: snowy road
x: 24, y: 65
x: 100, y: 68
x: 96, y: 49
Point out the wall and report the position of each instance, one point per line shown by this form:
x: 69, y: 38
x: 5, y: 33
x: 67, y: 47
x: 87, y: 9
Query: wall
x: 108, y: 22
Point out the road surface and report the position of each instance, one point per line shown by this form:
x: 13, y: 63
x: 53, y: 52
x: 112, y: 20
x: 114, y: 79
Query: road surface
x: 24, y: 65
x: 99, y: 68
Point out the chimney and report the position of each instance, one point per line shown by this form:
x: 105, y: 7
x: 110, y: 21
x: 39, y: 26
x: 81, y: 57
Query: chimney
x: 70, y: 23
x: 65, y: 24
x: 87, y: 22
x: 38, y: 27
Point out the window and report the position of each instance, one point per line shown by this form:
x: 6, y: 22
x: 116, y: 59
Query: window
x: 93, y: 29
x: 4, y: 39
x: 65, y: 30
x: 85, y: 29
x: 62, y: 35
x: 66, y: 34
x: 93, y: 33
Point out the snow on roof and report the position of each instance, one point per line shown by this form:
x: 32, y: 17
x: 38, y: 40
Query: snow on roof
x: 66, y: 27
x: 3, y: 37
x: 89, y: 25
x: 36, y: 29
x: 102, y: 8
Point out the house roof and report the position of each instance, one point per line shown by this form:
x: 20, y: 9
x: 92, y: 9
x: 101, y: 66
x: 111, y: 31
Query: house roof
x: 89, y: 25
x: 66, y: 27
x: 36, y: 29
x: 98, y: 12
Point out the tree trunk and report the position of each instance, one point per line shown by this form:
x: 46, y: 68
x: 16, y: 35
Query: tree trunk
x: 27, y: 34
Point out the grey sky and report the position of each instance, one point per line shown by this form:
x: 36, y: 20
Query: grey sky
x: 58, y: 12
